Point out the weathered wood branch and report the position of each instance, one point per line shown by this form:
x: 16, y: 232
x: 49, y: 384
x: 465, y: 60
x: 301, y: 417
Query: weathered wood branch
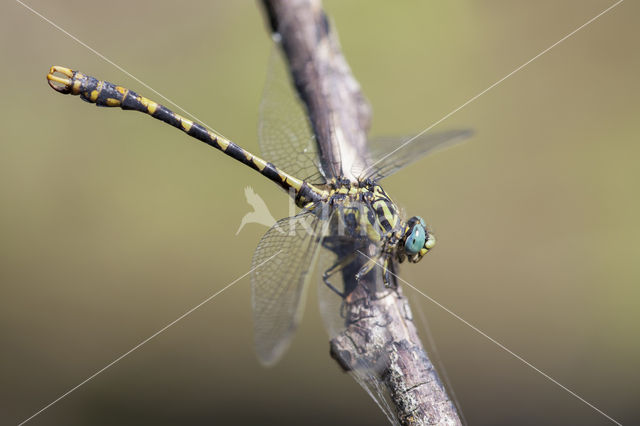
x: 378, y: 325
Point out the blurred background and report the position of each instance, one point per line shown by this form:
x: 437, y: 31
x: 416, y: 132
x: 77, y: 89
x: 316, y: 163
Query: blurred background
x: 113, y: 225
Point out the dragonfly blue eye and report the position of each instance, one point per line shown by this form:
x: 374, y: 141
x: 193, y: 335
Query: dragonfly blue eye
x: 415, y: 240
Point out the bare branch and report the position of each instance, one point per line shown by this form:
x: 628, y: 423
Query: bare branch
x: 378, y: 326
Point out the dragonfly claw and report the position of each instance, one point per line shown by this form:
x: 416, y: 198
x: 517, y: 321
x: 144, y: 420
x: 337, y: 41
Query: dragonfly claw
x: 60, y: 84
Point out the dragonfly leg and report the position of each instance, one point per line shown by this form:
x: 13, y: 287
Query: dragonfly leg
x: 368, y: 266
x: 386, y: 270
x: 386, y: 273
x: 337, y: 267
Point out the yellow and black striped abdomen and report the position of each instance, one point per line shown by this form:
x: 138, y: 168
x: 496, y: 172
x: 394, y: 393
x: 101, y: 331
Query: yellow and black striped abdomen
x: 103, y: 93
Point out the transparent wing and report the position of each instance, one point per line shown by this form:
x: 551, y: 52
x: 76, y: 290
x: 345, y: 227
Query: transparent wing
x: 286, y: 254
x: 284, y: 131
x: 369, y: 380
x: 387, y: 155
x: 343, y: 250
x: 434, y: 355
x: 335, y: 313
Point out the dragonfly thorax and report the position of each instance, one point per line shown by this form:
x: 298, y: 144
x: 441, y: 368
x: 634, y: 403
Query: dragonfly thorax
x: 363, y: 211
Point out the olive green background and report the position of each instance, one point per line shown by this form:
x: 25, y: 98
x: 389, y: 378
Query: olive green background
x: 113, y: 225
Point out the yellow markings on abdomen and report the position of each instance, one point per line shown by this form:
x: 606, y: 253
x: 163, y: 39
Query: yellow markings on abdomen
x: 293, y: 182
x: 186, y: 124
x: 93, y: 96
x: 149, y: 104
x: 224, y: 144
x: 257, y: 161
x: 77, y: 83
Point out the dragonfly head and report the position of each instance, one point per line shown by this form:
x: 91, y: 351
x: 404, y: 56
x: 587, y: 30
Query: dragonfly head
x: 417, y: 240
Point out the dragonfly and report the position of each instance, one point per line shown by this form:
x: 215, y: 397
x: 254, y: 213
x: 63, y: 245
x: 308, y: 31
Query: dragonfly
x: 347, y: 224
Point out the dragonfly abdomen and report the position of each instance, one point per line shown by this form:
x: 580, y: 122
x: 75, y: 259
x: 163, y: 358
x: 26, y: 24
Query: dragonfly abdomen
x: 103, y: 93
